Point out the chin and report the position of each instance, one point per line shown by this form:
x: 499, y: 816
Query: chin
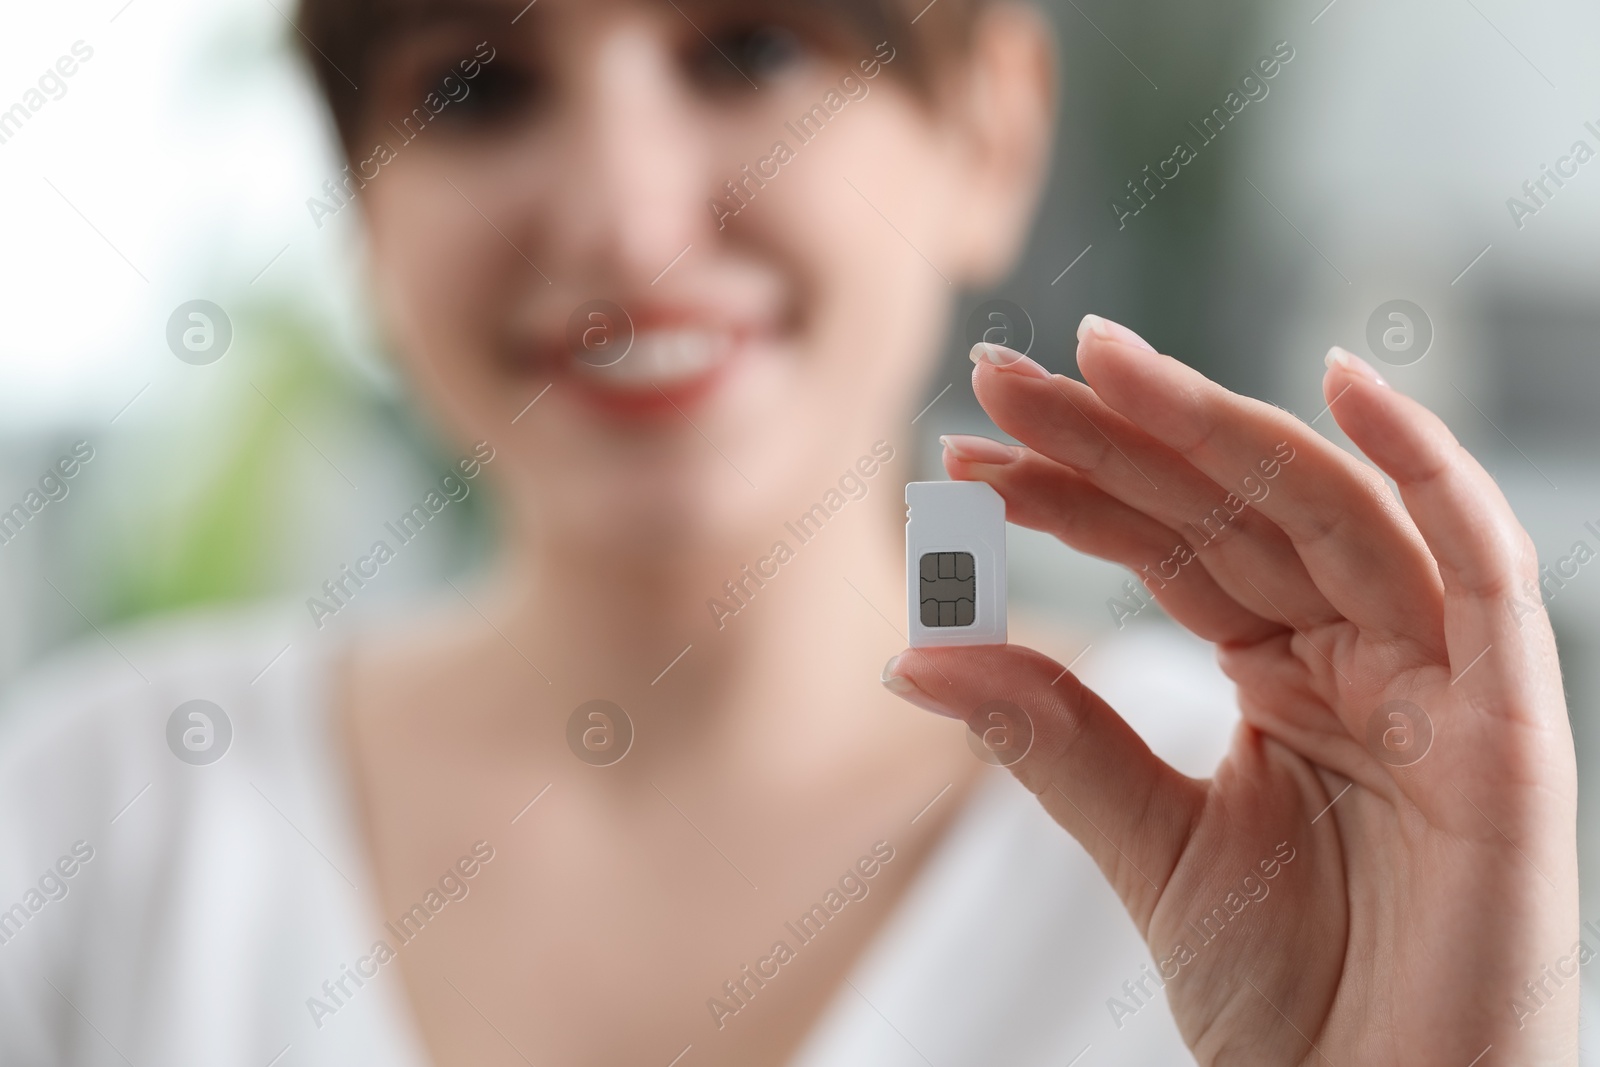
x: 651, y: 512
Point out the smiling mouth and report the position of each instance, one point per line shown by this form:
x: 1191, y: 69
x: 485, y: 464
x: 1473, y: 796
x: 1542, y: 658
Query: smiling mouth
x: 663, y: 358
x: 667, y: 367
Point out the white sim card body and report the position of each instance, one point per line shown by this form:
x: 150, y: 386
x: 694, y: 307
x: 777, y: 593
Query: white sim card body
x: 955, y: 564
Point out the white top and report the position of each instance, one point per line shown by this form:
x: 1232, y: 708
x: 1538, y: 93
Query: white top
x: 168, y: 914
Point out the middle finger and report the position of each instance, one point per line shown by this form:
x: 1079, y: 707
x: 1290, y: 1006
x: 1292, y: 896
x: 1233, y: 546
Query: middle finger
x: 1248, y: 556
x: 1356, y: 540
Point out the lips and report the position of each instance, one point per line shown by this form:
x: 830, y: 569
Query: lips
x: 665, y: 369
x: 675, y: 359
x: 660, y: 358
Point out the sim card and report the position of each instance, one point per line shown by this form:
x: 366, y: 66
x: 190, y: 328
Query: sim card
x: 955, y: 564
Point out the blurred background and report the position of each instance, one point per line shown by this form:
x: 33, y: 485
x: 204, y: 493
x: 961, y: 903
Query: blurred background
x: 176, y: 163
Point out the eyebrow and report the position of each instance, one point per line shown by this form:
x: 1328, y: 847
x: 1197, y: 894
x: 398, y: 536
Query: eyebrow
x: 411, y: 13
x: 837, y: 21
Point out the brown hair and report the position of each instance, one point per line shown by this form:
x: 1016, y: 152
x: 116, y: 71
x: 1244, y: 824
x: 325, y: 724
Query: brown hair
x: 339, y: 38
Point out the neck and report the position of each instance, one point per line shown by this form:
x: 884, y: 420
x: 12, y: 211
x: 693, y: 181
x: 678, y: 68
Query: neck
x: 754, y: 643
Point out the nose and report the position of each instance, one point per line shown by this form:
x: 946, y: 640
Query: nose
x: 635, y: 176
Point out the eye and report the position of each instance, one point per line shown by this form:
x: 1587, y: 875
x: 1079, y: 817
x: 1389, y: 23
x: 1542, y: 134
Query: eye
x: 501, y: 92
x: 478, y: 90
x: 761, y: 53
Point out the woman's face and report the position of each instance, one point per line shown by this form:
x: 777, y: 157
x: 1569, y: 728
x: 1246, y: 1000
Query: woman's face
x: 533, y: 171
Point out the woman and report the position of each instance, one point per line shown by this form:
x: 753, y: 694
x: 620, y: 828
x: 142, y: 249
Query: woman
x: 402, y: 861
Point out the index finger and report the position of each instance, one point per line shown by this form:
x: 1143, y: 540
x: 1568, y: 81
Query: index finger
x: 1356, y: 540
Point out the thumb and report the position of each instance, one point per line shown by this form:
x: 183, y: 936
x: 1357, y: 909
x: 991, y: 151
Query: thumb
x: 1090, y: 770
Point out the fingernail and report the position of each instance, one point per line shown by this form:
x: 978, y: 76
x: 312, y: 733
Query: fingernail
x: 909, y: 691
x: 1107, y: 330
x: 973, y: 449
x: 1007, y: 359
x: 893, y: 682
x: 1338, y: 357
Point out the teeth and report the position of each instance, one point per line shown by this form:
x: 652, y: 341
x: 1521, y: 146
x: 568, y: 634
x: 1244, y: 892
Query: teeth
x: 662, y: 356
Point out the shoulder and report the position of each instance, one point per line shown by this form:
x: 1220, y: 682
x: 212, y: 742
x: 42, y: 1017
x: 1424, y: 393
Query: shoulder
x: 96, y: 716
x: 158, y: 851
x: 118, y: 750
x: 135, y: 716
x: 176, y: 829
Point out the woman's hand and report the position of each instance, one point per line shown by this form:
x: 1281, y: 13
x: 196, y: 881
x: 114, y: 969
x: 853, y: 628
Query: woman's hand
x: 1383, y: 870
